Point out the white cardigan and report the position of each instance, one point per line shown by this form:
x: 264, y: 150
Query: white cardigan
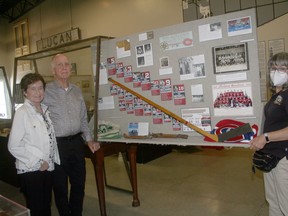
x: 29, y: 138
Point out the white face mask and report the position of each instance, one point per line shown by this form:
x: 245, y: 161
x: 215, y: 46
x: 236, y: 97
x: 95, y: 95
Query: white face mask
x: 278, y: 78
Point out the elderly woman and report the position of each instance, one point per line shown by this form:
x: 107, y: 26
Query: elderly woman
x: 274, y: 140
x: 32, y: 142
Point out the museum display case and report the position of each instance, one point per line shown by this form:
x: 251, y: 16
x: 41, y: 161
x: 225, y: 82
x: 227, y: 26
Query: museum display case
x: 11, y: 208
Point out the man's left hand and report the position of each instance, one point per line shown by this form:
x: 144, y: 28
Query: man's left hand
x: 93, y: 146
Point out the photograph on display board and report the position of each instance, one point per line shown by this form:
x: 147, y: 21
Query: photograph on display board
x: 106, y: 103
x: 234, y: 99
x: 128, y: 74
x: 155, y: 87
x: 165, y: 67
x: 165, y: 89
x: 136, y: 79
x: 111, y: 66
x: 145, y: 81
x: 167, y: 118
x: 119, y: 70
x: 121, y: 93
x: 179, y: 94
x: 129, y: 106
x: 164, y: 62
x: 122, y: 105
x: 147, y: 109
x: 157, y: 116
x: 197, y: 93
x: 176, y: 125
x: 210, y: 31
x: 138, y: 128
x: 133, y: 129
x: 229, y: 58
x: 192, y: 67
x: 123, y: 48
x: 239, y: 26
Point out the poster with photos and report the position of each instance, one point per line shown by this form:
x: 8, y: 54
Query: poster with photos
x: 121, y: 93
x: 155, y: 87
x: 119, y: 70
x: 136, y: 79
x: 147, y: 109
x: 166, y: 89
x: 157, y: 116
x: 199, y: 117
x: 122, y: 105
x: 111, y: 66
x: 138, y: 106
x: 166, y: 118
x: 176, y: 125
x: 145, y: 81
x: 128, y: 74
x: 179, y: 94
x: 113, y: 89
x: 129, y: 106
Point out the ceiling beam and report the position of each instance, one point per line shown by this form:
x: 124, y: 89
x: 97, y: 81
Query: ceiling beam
x: 21, y: 8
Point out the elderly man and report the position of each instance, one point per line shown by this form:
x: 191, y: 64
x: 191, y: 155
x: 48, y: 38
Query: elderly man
x: 69, y: 117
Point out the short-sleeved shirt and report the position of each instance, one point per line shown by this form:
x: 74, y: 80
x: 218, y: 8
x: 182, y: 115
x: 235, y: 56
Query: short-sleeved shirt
x: 276, y: 118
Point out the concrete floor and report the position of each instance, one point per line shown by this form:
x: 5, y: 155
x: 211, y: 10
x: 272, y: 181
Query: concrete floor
x: 189, y: 181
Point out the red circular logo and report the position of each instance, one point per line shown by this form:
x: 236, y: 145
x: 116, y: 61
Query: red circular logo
x: 187, y: 42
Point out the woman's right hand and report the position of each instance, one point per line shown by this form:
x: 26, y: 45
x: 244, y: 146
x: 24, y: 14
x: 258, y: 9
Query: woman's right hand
x: 44, y: 166
x: 258, y: 142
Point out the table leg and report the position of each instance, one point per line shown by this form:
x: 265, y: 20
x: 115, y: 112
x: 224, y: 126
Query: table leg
x: 98, y: 162
x: 132, y: 150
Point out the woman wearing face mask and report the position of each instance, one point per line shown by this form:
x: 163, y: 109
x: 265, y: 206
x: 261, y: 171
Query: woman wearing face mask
x: 274, y: 139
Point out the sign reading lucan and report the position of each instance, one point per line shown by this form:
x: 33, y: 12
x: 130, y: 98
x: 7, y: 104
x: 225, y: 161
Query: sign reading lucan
x: 58, y: 39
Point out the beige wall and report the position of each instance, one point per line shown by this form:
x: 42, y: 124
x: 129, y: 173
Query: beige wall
x: 3, y: 47
x: 275, y: 29
x: 94, y: 17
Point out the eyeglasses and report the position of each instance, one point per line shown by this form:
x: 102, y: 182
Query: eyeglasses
x: 279, y: 69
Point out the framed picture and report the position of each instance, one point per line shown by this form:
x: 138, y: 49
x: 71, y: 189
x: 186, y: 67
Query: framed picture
x: 86, y: 85
x: 73, y: 69
x: 230, y: 58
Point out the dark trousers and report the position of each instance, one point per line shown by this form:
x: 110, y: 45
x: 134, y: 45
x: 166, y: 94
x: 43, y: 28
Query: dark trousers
x: 37, y: 189
x: 72, y: 169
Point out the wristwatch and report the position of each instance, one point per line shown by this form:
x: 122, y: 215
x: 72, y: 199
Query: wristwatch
x: 266, y: 137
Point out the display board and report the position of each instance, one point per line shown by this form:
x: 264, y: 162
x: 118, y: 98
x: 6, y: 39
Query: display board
x: 203, y: 71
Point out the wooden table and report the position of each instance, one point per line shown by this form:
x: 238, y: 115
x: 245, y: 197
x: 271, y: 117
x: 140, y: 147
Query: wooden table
x: 98, y: 162
x: 111, y: 146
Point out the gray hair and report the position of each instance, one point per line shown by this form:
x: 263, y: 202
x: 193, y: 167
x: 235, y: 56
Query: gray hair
x: 278, y: 60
